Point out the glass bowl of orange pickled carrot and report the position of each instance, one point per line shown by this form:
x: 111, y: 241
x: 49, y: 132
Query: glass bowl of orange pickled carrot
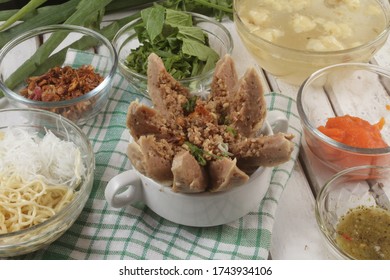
x: 345, y: 114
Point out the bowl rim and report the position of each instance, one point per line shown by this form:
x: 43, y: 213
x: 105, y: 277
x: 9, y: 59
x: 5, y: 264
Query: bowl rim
x: 385, y: 32
x: 319, y: 217
x: 90, y: 168
x: 322, y: 137
x: 50, y: 29
x: 130, y: 24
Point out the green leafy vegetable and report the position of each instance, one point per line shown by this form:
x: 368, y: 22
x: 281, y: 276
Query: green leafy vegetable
x: 197, y: 153
x: 214, y: 8
x: 183, y: 47
x: 154, y: 21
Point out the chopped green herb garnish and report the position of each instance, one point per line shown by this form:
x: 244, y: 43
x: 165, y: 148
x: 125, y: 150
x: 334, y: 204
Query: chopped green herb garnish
x: 224, y: 148
x: 197, y: 153
x: 190, y: 105
x: 231, y: 130
x: 224, y: 119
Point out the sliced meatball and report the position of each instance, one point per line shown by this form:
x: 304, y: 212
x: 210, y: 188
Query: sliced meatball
x: 269, y: 151
x: 224, y: 175
x: 248, y: 108
x: 188, y: 175
x: 153, y: 158
x: 223, y: 86
x: 167, y: 94
x: 142, y: 120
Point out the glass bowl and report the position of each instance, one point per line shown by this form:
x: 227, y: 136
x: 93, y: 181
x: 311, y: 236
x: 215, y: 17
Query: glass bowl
x: 361, y: 187
x: 276, y: 48
x: 36, y: 51
x: 355, y: 89
x: 37, y: 121
x: 126, y: 40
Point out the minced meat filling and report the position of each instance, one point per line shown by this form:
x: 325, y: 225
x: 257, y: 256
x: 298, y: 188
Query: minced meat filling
x: 173, y: 95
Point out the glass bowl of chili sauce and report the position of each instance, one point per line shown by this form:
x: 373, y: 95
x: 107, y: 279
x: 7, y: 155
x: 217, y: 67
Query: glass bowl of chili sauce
x: 64, y: 69
x: 345, y: 115
x: 352, y: 211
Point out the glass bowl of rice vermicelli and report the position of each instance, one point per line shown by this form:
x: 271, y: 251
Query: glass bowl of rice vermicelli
x: 46, y: 176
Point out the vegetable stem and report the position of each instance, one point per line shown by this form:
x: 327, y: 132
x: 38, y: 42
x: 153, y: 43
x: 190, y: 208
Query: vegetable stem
x: 30, y: 6
x: 41, y: 17
x: 214, y: 6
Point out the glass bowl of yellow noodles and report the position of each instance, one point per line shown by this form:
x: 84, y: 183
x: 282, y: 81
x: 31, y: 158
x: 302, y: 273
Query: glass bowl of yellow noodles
x: 46, y: 176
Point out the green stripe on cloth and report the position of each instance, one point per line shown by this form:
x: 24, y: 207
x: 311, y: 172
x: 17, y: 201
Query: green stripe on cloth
x: 136, y: 232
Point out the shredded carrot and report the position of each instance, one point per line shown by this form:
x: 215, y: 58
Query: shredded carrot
x: 388, y: 107
x: 354, y: 131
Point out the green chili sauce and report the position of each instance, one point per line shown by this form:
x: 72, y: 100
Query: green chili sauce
x: 364, y: 233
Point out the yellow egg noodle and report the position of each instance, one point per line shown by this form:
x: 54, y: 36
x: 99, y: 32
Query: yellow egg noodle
x: 25, y: 204
x: 37, y: 177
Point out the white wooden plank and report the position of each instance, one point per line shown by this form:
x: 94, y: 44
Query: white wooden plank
x: 278, y: 85
x: 316, y: 171
x: 382, y: 57
x: 363, y: 95
x: 296, y: 235
x: 10, y: 64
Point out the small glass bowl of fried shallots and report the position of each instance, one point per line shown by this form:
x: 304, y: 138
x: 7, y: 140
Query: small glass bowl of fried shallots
x: 64, y: 69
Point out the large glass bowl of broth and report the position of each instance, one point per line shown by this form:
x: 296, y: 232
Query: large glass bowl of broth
x: 353, y: 213
x: 291, y: 39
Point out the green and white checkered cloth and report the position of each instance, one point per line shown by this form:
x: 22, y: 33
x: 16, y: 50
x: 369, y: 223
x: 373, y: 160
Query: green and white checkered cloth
x: 136, y: 232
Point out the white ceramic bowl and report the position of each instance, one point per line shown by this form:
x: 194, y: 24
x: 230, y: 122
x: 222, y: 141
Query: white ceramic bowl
x: 198, y: 210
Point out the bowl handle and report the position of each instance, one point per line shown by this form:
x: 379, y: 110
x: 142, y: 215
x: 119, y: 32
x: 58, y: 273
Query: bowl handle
x: 278, y: 121
x: 124, y: 189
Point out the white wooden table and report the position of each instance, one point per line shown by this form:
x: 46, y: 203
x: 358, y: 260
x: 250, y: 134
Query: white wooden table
x: 295, y: 235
